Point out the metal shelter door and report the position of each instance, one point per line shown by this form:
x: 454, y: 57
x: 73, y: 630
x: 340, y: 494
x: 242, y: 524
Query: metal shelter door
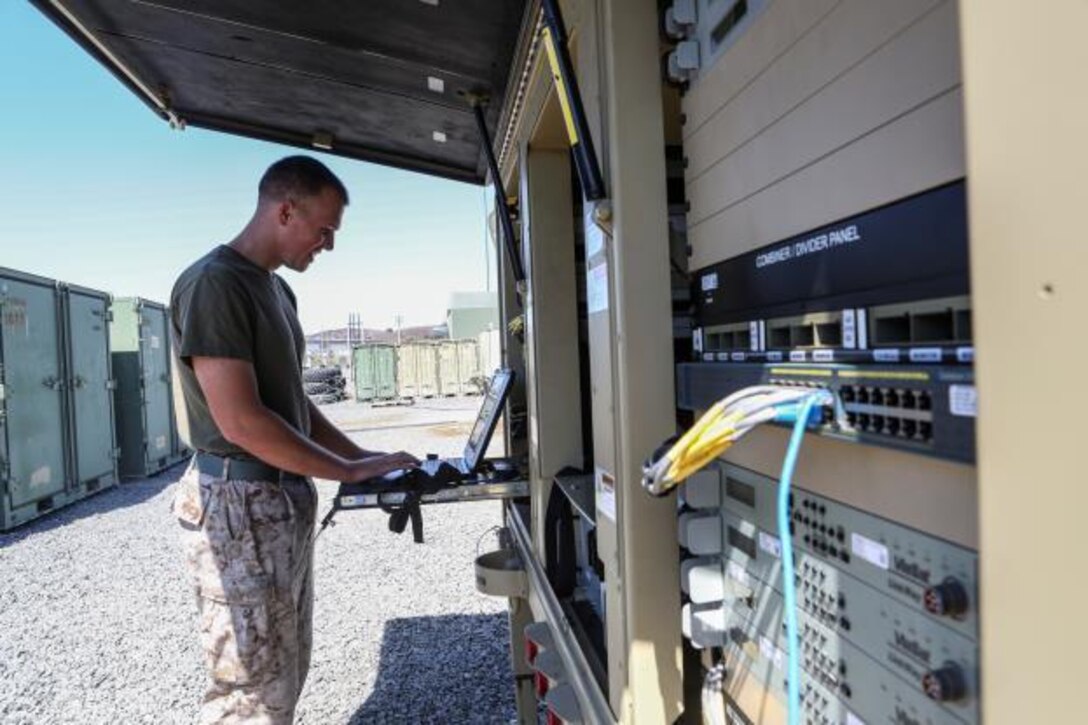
x: 385, y: 372
x: 155, y: 372
x: 89, y: 376
x: 34, y: 391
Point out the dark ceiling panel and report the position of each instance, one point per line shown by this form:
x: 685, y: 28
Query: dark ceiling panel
x: 286, y: 71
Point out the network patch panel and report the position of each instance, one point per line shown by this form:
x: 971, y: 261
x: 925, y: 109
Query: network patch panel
x: 926, y: 409
x: 887, y: 614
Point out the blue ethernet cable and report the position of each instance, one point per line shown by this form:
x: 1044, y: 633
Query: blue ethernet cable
x: 803, y: 412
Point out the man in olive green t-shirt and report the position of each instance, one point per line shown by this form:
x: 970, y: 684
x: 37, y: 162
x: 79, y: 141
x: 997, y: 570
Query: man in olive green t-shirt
x: 246, y: 504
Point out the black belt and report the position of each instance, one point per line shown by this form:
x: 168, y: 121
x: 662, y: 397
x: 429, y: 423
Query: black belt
x: 242, y: 469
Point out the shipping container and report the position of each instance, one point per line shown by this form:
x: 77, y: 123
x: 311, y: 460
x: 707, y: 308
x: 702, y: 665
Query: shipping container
x: 489, y: 352
x: 146, y: 425
x: 468, y: 366
x: 417, y: 370
x: 93, y: 446
x: 449, y: 373
x: 55, y: 380
x: 374, y: 369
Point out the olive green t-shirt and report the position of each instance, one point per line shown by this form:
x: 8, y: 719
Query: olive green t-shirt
x: 226, y: 306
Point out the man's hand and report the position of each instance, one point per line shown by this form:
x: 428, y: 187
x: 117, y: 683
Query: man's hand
x: 379, y: 465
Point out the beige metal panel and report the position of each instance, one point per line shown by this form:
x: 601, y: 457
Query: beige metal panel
x: 771, y: 35
x: 916, y: 152
x: 916, y: 66
x: 855, y: 36
x: 551, y: 323
x: 931, y: 495
x: 1024, y: 75
x: 642, y: 365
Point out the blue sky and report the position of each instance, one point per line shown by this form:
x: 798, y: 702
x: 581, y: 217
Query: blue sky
x: 96, y: 190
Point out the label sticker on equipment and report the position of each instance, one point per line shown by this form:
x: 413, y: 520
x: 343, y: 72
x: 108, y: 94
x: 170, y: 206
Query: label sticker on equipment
x: 605, y: 485
x: 160, y: 442
x: 709, y: 282
x: 737, y: 356
x: 753, y: 336
x: 697, y: 339
x: 889, y: 355
x: 797, y: 355
x: 770, y: 544
x: 823, y: 355
x: 774, y: 357
x: 723, y: 357
x: 963, y: 400
x: 965, y: 354
x: 871, y: 551
x: 925, y: 355
x: 738, y: 573
x: 849, y: 340
x: 154, y: 342
x: 597, y: 288
x: 770, y: 652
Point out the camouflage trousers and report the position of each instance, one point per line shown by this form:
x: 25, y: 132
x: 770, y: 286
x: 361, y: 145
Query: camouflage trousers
x: 249, y: 554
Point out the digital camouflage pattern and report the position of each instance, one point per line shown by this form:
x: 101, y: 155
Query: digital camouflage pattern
x: 249, y: 554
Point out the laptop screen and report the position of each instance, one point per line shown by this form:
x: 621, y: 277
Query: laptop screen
x: 488, y: 417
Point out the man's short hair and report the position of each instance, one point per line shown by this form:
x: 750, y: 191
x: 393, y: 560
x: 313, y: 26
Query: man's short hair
x: 298, y: 177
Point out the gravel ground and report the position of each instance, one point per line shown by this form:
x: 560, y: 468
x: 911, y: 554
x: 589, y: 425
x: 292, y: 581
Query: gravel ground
x: 97, y: 623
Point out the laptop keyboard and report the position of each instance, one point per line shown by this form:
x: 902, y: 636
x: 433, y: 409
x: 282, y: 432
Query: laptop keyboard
x: 430, y: 466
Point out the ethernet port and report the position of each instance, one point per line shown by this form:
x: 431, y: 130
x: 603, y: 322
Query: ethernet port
x: 910, y: 427
x: 742, y: 340
x: 925, y: 430
x: 891, y: 398
x: 829, y: 334
x: 908, y: 399
x: 934, y: 327
x: 878, y: 423
x: 891, y: 427
x: 877, y: 397
x: 852, y: 420
x: 779, y: 338
x: 847, y: 394
x: 863, y: 421
x: 924, y: 401
x: 713, y: 342
x: 863, y: 396
x: 803, y: 335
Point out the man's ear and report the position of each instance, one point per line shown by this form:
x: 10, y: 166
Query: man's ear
x: 284, y: 211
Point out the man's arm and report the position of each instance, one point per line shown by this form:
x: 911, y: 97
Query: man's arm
x: 230, y: 387
x: 324, y: 433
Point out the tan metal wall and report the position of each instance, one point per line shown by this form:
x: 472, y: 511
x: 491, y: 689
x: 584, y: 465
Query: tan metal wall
x: 821, y: 110
x: 1026, y: 103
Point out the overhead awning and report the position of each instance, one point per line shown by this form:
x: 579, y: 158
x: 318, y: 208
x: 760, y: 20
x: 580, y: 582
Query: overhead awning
x: 376, y: 80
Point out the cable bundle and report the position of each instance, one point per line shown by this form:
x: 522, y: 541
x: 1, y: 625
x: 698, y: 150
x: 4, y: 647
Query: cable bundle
x: 726, y: 422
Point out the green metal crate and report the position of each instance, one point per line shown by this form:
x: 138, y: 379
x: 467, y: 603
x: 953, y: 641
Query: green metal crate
x: 374, y: 369
x: 146, y: 427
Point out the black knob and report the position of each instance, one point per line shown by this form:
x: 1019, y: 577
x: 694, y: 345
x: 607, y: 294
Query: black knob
x: 946, y: 683
x: 432, y: 456
x: 947, y: 599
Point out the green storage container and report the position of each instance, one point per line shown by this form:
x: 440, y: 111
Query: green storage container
x: 146, y: 426
x: 55, y: 381
x: 93, y: 449
x: 374, y: 369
